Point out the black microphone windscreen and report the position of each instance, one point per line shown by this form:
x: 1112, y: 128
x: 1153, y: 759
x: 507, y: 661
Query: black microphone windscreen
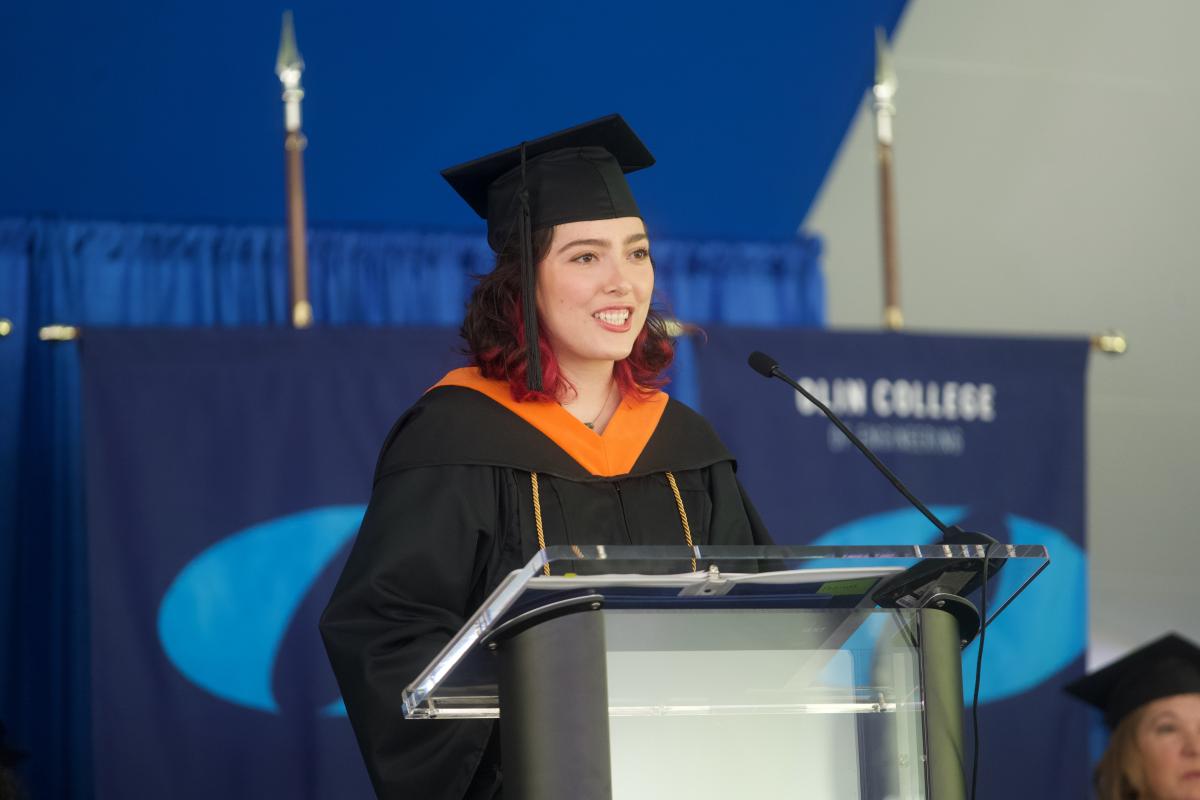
x: 763, y: 364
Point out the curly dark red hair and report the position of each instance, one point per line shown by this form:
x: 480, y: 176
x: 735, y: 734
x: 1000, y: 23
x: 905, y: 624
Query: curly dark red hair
x: 494, y: 330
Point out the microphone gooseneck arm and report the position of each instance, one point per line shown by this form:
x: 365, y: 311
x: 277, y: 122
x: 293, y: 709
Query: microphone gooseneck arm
x: 768, y: 367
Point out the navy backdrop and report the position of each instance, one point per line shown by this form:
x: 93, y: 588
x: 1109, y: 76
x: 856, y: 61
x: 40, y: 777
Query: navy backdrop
x: 227, y: 472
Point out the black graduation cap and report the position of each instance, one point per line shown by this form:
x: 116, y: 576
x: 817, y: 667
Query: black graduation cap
x: 1165, y: 667
x: 570, y: 176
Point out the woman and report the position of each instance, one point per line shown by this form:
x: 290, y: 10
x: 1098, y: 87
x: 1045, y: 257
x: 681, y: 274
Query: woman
x: 566, y: 442
x: 1151, y: 703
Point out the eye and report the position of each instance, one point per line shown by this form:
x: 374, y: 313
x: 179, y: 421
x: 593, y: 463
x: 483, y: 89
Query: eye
x: 585, y: 258
x: 1164, y: 728
x: 641, y: 254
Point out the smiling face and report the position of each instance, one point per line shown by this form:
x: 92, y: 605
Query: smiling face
x: 593, y: 291
x: 1168, y: 739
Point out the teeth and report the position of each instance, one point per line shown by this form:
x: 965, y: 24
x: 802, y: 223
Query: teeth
x: 612, y: 317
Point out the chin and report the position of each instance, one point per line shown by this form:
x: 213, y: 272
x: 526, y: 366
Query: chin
x: 614, y: 353
x: 1187, y: 790
x: 616, y: 356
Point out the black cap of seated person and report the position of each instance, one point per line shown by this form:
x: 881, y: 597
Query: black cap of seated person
x: 1163, y: 668
x: 574, y: 175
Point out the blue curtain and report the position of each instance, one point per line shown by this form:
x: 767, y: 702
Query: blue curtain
x: 96, y: 273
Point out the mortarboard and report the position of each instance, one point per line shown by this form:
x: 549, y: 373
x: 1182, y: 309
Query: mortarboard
x: 1165, y: 667
x: 573, y: 175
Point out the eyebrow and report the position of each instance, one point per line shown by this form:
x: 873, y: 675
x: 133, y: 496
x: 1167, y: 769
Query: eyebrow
x: 601, y: 242
x: 1163, y: 716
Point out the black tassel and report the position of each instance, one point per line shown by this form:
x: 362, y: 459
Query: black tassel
x: 529, y: 288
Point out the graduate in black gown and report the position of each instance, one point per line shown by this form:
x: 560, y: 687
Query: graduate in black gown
x: 577, y: 422
x: 1151, y: 704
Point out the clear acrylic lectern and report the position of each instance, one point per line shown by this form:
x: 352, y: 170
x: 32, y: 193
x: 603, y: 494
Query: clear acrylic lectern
x: 718, y: 672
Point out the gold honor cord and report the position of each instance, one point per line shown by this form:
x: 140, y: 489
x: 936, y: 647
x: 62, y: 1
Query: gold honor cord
x: 537, y: 518
x: 687, y: 529
x: 541, y: 533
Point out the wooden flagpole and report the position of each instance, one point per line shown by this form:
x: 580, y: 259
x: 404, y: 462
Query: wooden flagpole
x: 289, y: 66
x: 884, y: 90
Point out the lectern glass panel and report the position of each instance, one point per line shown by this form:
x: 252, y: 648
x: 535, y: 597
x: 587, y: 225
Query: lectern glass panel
x: 461, y: 681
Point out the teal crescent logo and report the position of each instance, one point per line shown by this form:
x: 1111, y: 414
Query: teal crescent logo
x: 1042, y: 632
x: 223, y: 618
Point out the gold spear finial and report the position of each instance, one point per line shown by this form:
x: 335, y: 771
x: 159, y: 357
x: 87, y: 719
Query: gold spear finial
x: 884, y: 89
x: 885, y: 75
x: 289, y: 58
x: 289, y: 66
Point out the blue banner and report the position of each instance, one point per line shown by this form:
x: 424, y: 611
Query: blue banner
x: 227, y: 471
x: 989, y: 432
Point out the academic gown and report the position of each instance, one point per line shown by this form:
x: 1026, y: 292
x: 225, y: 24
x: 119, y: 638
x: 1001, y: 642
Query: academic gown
x: 451, y: 514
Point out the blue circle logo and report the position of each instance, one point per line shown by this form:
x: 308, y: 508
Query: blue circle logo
x: 224, y: 617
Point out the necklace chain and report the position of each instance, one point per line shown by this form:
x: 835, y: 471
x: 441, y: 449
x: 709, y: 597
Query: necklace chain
x: 592, y: 425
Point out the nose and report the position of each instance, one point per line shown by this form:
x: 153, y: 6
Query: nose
x: 1191, y: 743
x: 618, y: 280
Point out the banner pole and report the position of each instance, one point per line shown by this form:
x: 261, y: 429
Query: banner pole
x: 289, y: 66
x: 884, y: 90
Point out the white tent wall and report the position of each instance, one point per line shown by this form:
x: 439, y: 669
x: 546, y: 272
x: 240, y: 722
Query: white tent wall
x: 1048, y: 182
